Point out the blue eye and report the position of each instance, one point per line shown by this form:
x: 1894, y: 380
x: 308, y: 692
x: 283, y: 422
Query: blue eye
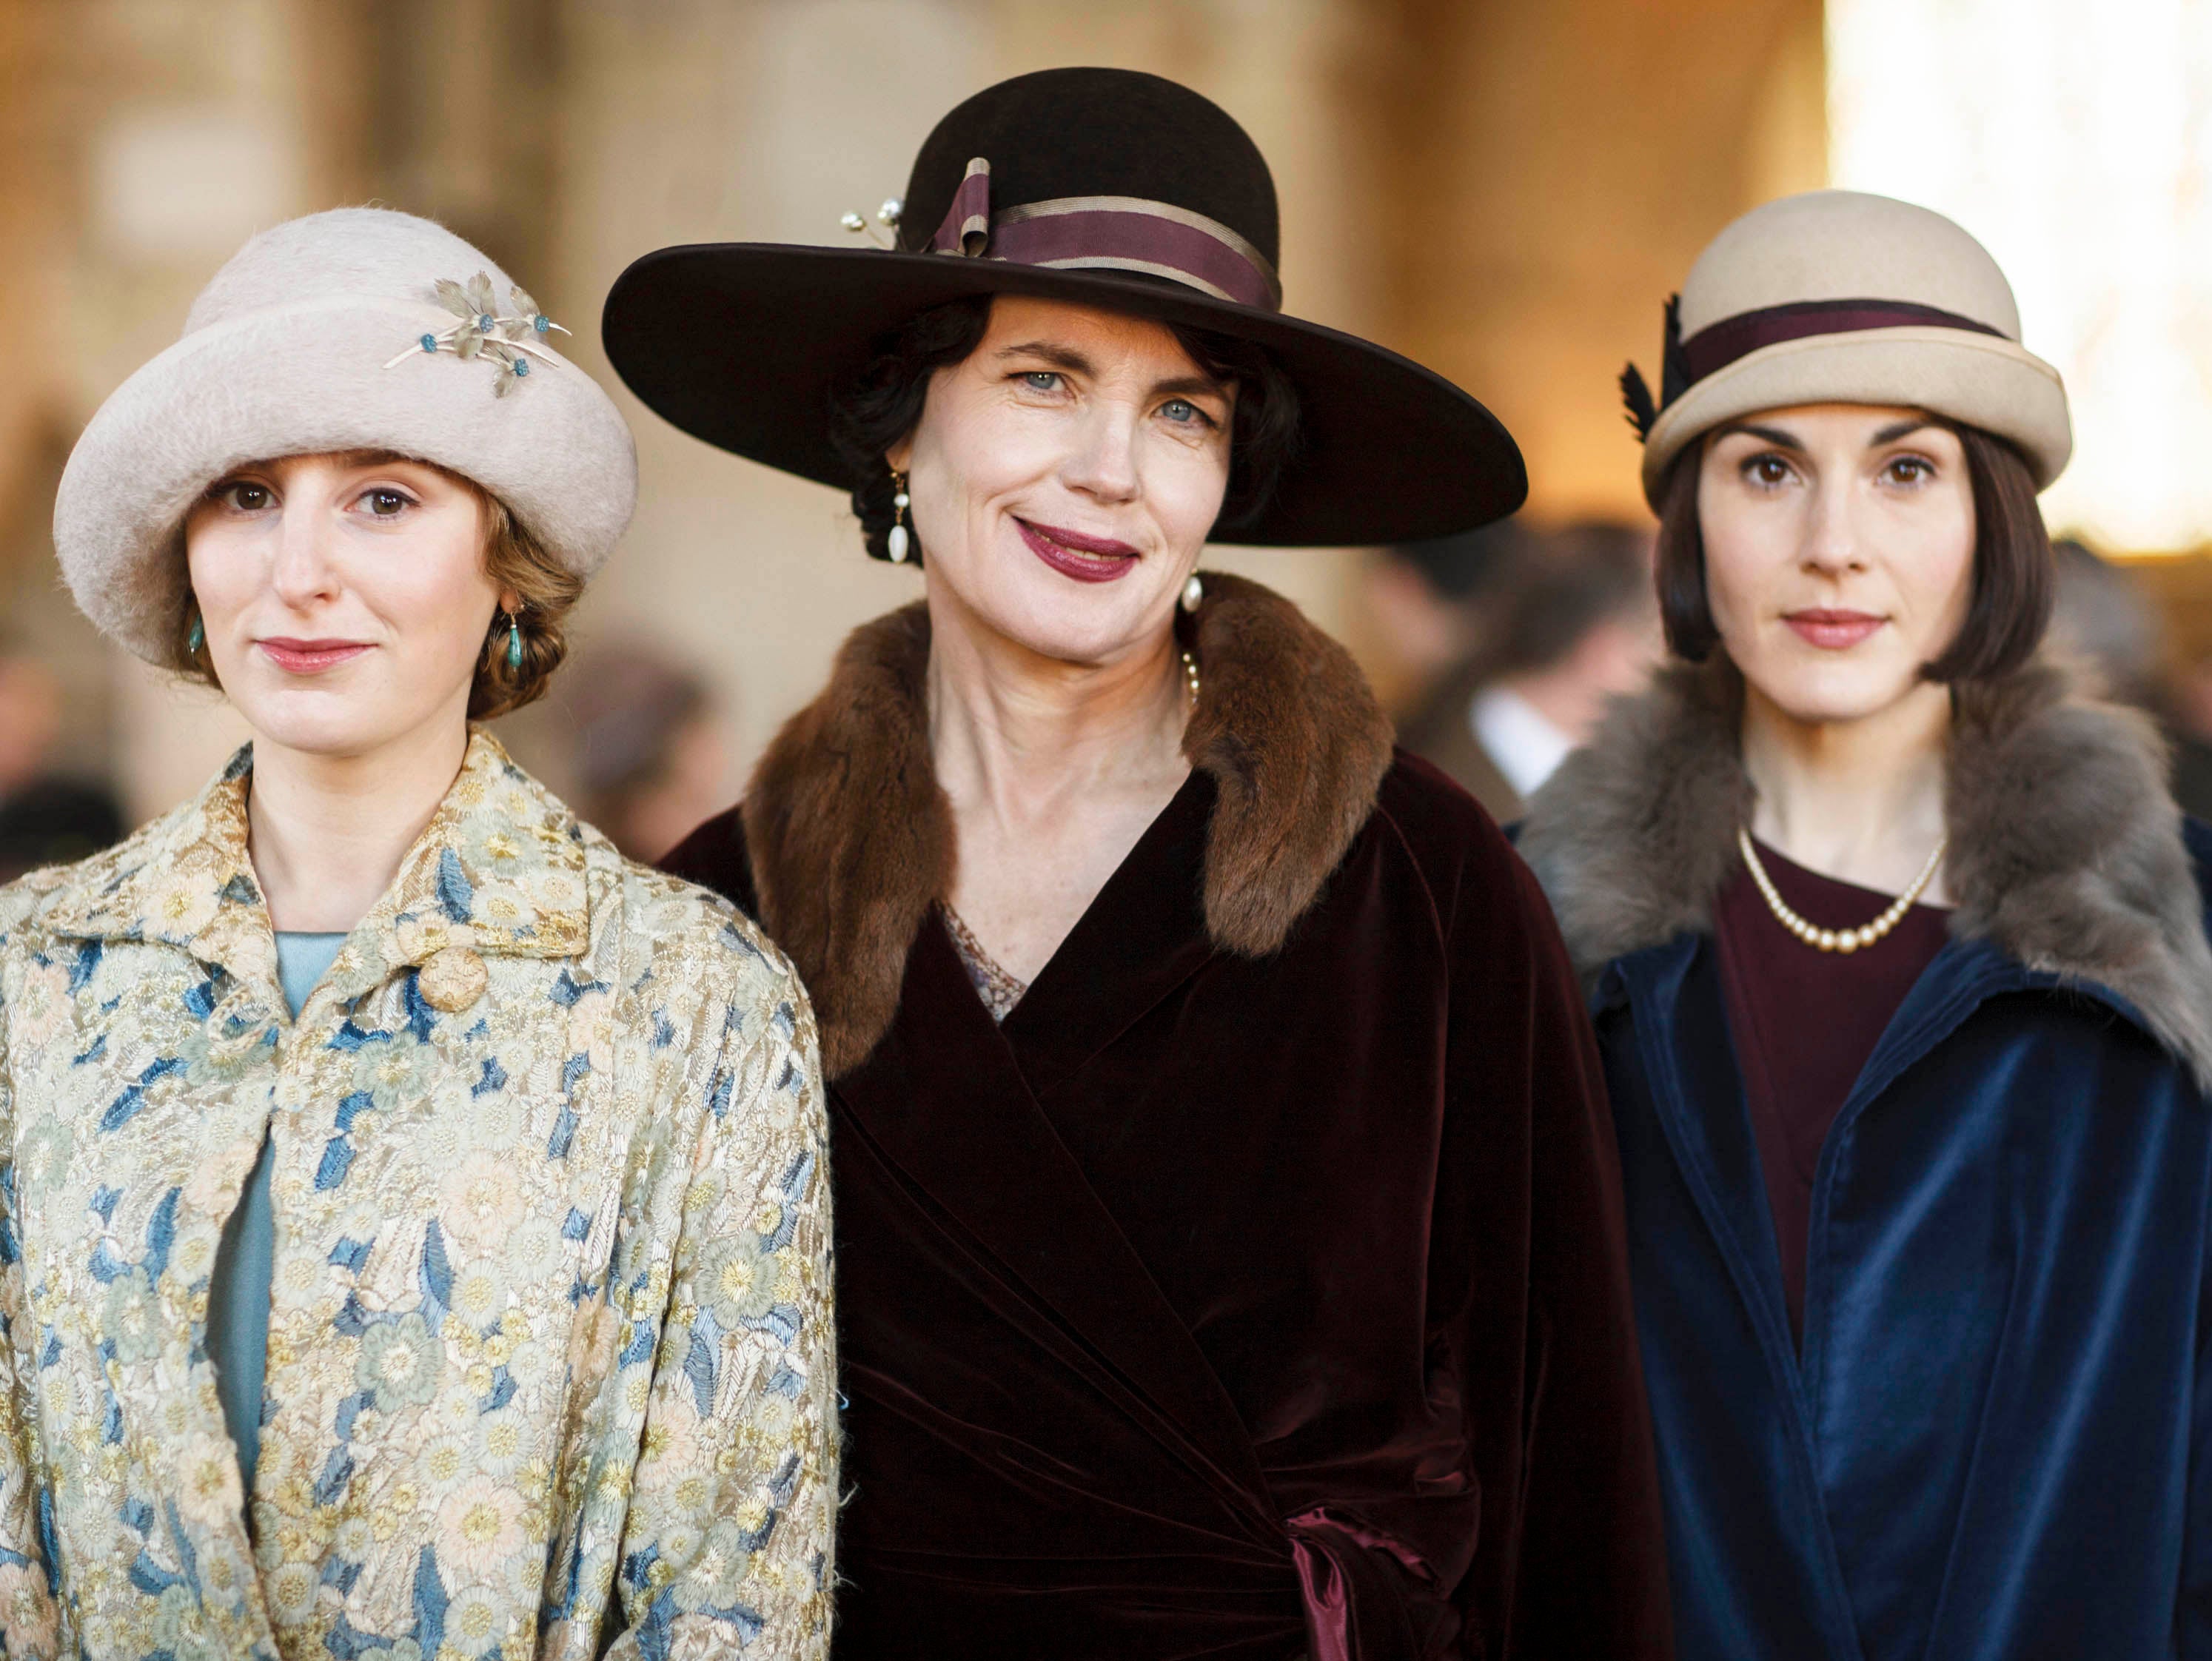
x: 1179, y: 410
x: 1042, y: 380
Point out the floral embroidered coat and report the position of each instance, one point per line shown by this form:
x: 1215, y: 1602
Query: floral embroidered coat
x: 550, y: 1336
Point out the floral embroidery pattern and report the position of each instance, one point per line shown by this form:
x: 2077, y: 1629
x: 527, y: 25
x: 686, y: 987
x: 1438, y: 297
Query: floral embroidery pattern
x: 550, y: 1324
x: 1000, y: 990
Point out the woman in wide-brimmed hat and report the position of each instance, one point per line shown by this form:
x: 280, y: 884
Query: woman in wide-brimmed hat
x: 1897, y: 943
x: 414, y: 1237
x: 1229, y: 1250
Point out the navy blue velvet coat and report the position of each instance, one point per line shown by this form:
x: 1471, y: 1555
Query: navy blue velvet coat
x: 1994, y: 1443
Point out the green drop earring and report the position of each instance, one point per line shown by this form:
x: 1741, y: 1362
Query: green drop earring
x: 195, y: 637
x: 514, y: 644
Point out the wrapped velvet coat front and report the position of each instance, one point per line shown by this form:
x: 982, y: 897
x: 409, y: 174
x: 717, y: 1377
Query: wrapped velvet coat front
x: 1256, y: 1289
x: 1996, y: 1443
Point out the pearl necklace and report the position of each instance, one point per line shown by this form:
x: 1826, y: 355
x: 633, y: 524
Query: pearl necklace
x: 1838, y: 940
x: 1190, y: 675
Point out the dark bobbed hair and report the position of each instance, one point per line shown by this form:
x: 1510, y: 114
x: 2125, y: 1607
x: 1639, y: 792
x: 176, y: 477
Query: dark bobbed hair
x: 880, y: 403
x: 2013, y: 581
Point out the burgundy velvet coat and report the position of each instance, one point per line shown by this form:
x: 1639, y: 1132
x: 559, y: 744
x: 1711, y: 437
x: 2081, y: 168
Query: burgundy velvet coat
x: 1258, y: 1288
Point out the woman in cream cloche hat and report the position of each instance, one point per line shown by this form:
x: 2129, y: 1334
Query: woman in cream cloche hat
x: 414, y: 1236
x: 1897, y: 947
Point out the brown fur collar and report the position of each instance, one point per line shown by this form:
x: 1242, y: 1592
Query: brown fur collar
x: 851, y: 839
x: 2066, y: 847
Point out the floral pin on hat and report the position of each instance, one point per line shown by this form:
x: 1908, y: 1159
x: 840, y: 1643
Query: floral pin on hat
x: 483, y: 332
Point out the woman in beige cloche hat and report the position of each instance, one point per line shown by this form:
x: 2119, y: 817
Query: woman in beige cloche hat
x: 1897, y: 949
x: 414, y: 1236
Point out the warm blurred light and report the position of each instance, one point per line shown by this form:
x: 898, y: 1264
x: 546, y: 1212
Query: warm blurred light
x: 2074, y: 140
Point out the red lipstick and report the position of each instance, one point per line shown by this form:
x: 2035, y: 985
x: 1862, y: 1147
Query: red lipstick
x: 1086, y: 559
x: 309, y: 657
x: 1833, y: 630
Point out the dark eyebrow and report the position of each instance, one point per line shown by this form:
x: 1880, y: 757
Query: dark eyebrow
x: 1061, y: 357
x: 1897, y: 429
x: 1184, y: 385
x: 1064, y: 357
x: 1773, y: 435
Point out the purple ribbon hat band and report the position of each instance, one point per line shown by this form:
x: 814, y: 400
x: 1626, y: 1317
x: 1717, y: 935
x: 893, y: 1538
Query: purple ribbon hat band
x: 1716, y: 347
x: 1107, y: 232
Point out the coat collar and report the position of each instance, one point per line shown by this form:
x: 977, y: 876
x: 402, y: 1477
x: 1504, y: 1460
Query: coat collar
x: 499, y: 869
x: 850, y: 837
x: 2066, y: 847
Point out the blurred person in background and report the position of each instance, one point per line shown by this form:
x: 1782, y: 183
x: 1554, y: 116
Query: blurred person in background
x: 651, y: 757
x: 1570, y: 623
x: 1427, y: 606
x: 1229, y: 1252
x: 47, y: 816
x: 2101, y: 618
x: 377, y: 1131
x: 1898, y: 952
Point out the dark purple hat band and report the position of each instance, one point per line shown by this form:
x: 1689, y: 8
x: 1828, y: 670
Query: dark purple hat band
x: 1107, y: 232
x: 1718, y: 346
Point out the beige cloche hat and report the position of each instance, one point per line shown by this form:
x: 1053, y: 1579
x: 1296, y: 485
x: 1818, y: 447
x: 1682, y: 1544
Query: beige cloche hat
x: 1839, y: 297
x: 360, y: 328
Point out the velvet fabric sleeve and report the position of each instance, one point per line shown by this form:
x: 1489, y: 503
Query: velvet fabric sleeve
x: 1588, y: 1576
x: 1589, y: 1433
x: 1529, y: 1237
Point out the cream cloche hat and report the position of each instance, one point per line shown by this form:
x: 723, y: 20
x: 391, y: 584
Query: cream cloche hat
x: 358, y: 329
x: 1838, y: 297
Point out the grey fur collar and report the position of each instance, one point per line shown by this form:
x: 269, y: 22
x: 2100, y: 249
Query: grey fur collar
x: 2066, y: 849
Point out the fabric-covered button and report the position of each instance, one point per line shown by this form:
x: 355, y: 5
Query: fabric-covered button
x: 452, y: 978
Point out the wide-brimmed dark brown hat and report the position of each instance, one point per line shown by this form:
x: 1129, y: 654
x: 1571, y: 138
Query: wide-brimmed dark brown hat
x: 1104, y: 187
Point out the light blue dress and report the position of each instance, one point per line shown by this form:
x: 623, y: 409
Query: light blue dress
x: 238, y: 1294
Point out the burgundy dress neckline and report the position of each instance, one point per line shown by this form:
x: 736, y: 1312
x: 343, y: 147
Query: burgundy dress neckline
x: 1804, y: 1023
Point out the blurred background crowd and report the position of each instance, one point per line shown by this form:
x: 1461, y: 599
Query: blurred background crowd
x: 1506, y: 190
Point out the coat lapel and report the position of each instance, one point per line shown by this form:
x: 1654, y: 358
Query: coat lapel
x: 1027, y: 1201
x: 1680, y: 1029
x: 1142, y: 937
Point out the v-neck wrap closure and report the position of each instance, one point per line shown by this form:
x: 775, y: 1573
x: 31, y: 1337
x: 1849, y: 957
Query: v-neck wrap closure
x: 550, y: 1316
x: 1231, y: 1303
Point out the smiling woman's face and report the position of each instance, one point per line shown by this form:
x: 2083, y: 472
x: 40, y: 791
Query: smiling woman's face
x: 344, y: 598
x: 1840, y: 553
x: 1064, y: 477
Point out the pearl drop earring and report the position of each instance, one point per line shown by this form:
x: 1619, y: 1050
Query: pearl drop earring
x: 897, y: 543
x: 1193, y: 593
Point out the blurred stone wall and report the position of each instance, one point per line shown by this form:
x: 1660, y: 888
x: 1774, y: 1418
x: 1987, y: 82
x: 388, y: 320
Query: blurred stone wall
x: 1505, y: 189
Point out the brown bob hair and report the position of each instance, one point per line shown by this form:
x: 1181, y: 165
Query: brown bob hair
x: 2014, y: 568
x: 545, y: 591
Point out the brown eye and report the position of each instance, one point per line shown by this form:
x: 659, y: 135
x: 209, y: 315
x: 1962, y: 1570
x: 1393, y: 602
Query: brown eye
x: 245, y: 496
x: 1768, y: 470
x: 1909, y: 469
x: 385, y: 503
